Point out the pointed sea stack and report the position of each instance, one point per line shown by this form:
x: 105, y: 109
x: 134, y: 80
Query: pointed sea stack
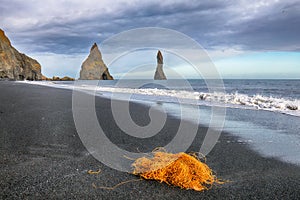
x: 93, y: 68
x: 159, y: 73
x: 15, y: 65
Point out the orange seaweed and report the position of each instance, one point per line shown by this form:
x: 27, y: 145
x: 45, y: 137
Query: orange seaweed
x: 94, y: 172
x: 181, y: 169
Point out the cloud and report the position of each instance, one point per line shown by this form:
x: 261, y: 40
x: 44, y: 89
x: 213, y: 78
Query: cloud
x: 72, y: 26
x: 270, y: 26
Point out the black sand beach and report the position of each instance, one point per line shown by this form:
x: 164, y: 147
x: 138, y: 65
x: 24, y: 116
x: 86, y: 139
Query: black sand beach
x: 42, y: 156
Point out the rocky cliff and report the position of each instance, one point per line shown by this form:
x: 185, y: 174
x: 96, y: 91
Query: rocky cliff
x: 93, y: 68
x: 15, y: 65
x: 159, y: 73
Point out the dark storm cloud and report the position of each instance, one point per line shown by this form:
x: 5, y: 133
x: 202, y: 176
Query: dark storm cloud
x: 218, y: 24
x: 277, y: 28
x: 273, y: 34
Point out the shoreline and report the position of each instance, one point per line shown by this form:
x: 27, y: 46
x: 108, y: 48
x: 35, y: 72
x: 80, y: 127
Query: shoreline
x: 42, y: 155
x: 277, y: 105
x: 260, y: 141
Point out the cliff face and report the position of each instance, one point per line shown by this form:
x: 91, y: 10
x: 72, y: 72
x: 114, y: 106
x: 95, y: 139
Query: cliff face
x: 15, y: 65
x: 93, y: 68
x: 159, y: 73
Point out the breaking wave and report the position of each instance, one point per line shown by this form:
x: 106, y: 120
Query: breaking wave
x: 256, y: 101
x: 233, y: 100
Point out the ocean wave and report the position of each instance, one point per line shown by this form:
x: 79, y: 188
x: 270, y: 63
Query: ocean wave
x: 256, y: 101
x: 234, y: 100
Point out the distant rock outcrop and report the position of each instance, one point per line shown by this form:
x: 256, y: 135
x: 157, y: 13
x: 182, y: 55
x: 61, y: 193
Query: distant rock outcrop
x: 56, y: 78
x: 15, y: 65
x: 93, y: 68
x: 159, y: 73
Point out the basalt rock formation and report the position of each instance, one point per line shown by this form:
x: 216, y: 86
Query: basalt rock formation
x: 15, y: 65
x: 159, y: 73
x: 93, y: 68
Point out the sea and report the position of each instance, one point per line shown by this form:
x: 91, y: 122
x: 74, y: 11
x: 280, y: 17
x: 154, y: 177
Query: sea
x: 263, y: 114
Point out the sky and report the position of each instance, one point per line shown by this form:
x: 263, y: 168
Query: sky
x: 244, y: 39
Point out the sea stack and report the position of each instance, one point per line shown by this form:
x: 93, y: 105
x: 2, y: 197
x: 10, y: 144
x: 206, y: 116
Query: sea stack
x: 15, y: 65
x: 93, y: 68
x: 159, y: 73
